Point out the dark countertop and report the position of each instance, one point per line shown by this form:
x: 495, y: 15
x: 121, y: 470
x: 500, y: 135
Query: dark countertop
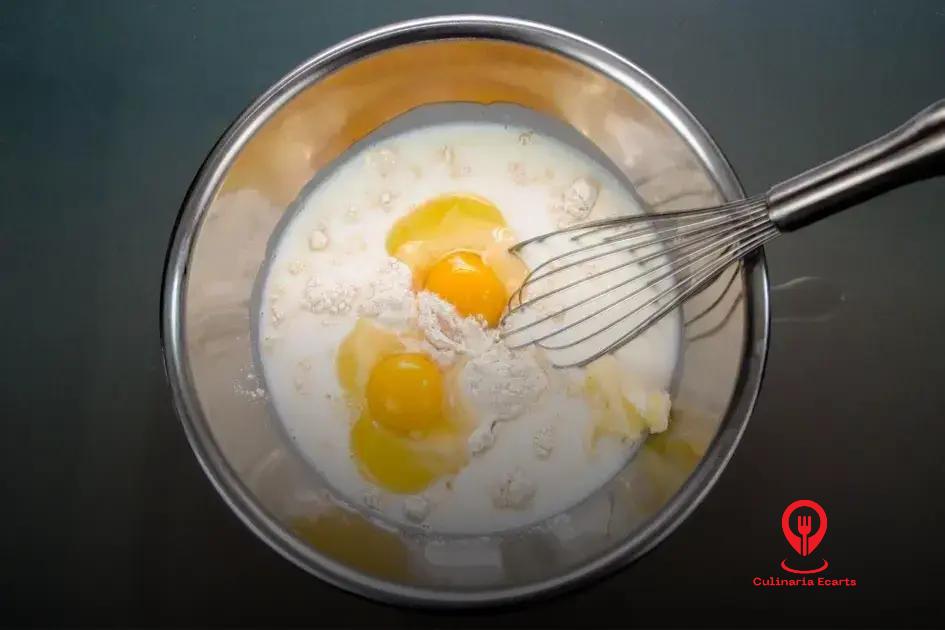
x: 108, y: 108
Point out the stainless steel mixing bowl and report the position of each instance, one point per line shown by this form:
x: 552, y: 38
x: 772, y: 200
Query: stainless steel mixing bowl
x: 298, y: 127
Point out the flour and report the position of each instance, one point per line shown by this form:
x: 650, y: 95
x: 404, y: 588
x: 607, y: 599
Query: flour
x: 384, y: 161
x: 251, y: 393
x: 498, y: 382
x: 388, y: 297
x: 544, y: 442
x: 447, y: 331
x: 515, y: 490
x: 278, y: 315
x: 301, y: 377
x: 417, y: 508
x: 482, y: 438
x: 502, y: 383
x: 579, y: 199
x: 327, y: 295
x: 318, y: 240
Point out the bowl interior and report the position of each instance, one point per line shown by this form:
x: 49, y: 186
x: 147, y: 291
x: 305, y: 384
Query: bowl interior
x: 284, y: 141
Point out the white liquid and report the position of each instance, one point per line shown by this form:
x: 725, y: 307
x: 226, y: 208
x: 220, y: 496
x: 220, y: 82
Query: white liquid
x: 355, y: 207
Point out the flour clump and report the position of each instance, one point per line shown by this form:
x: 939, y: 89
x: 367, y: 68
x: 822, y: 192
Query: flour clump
x: 513, y: 491
x: 502, y: 383
x: 447, y: 332
x: 388, y: 297
x: 325, y: 295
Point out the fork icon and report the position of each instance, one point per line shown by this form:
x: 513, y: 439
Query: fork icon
x: 803, y: 528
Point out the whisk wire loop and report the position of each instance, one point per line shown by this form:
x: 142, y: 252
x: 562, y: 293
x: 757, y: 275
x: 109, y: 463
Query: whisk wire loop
x: 661, y: 260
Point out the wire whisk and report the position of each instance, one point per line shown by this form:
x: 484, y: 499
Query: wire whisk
x: 596, y: 286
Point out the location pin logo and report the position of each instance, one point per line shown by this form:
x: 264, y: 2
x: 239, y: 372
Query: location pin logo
x: 798, y: 529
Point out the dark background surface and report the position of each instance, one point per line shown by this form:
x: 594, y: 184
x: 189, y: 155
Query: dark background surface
x: 107, y: 110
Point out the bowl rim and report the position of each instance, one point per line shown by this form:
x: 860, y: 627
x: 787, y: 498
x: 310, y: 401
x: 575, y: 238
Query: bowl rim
x: 204, y: 188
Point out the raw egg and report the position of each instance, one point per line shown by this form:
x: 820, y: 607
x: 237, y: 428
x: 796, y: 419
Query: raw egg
x: 405, y: 392
x: 408, y: 430
x: 469, y: 284
x: 457, y: 247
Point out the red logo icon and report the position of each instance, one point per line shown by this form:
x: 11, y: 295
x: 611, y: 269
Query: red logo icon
x: 800, y: 533
x: 804, y: 524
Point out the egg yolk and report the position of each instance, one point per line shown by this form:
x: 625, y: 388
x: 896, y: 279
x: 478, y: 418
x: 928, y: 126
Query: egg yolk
x: 405, y: 392
x: 458, y: 247
x: 398, y: 463
x: 407, y: 431
x: 463, y: 280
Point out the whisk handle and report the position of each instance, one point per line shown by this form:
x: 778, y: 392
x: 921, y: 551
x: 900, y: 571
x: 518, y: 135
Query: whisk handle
x: 909, y: 153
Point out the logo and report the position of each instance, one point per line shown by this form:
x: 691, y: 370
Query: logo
x: 807, y: 538
x: 804, y: 525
